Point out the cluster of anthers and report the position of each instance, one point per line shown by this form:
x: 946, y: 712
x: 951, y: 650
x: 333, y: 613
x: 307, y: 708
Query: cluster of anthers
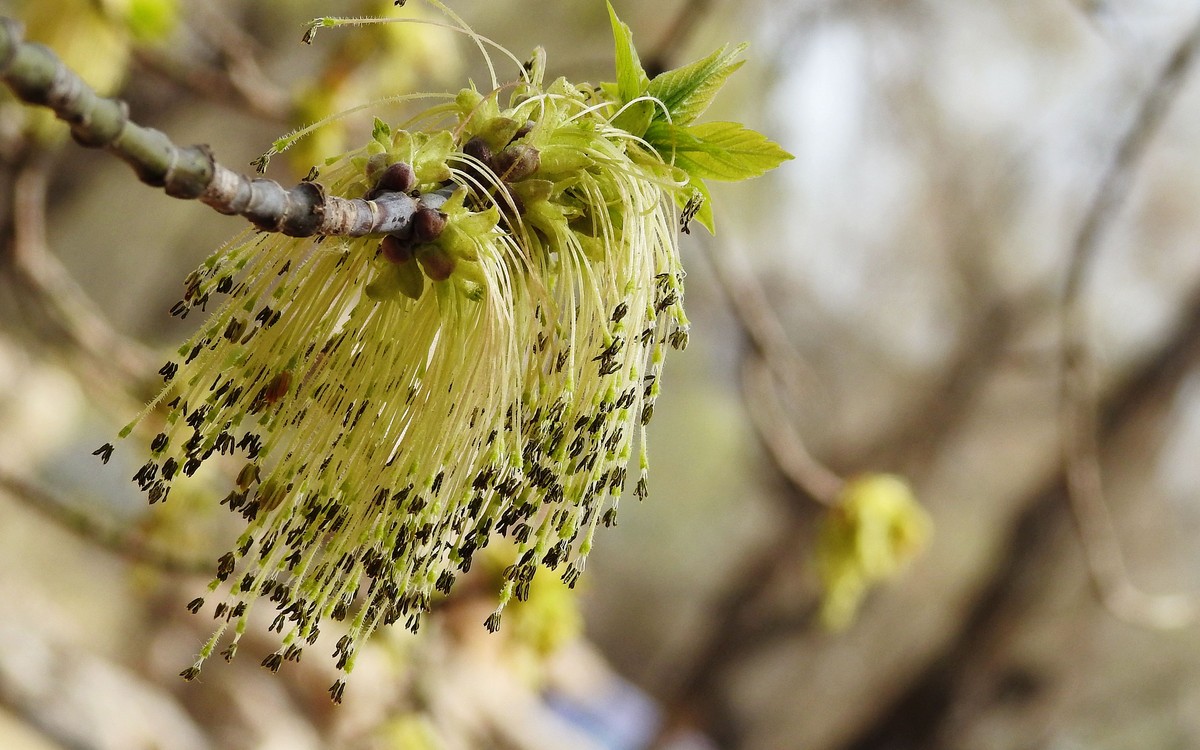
x: 486, y: 369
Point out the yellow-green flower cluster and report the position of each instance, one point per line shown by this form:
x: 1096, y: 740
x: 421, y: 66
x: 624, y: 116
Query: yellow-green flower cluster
x: 399, y: 403
x: 875, y: 527
x: 488, y: 368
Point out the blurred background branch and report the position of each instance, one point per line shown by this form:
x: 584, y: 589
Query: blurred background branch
x: 1078, y: 376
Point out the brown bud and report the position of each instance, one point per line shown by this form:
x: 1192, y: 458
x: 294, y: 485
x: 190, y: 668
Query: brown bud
x: 398, y: 177
x: 478, y: 148
x: 517, y: 162
x: 524, y: 130
x: 437, y: 263
x: 395, y: 249
x: 428, y: 224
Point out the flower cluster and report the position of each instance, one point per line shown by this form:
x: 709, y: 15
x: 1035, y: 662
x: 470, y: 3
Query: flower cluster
x: 488, y: 369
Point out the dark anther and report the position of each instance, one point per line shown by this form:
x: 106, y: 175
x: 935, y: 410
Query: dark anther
x: 158, y: 443
x: 159, y: 492
x: 336, y: 690
x: 146, y: 474
x: 168, y: 371
x: 104, y: 452
x: 234, y: 329
x: 225, y: 566
x: 195, y: 605
x: 647, y: 414
x: 570, y: 576
x: 690, y: 210
x: 190, y: 673
x: 492, y: 623
x: 273, y: 662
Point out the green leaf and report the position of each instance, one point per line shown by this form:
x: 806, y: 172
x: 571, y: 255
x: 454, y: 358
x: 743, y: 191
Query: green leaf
x: 381, y: 132
x: 716, y: 150
x: 631, y: 77
x: 636, y: 117
x: 686, y: 92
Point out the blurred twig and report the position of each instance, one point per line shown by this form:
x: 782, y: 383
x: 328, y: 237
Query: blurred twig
x: 45, y: 290
x: 1078, y: 386
x: 788, y: 452
x: 775, y: 361
x: 91, y: 529
x: 689, y: 15
x: 236, y: 78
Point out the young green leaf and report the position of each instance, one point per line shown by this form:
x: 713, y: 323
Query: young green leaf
x: 631, y: 77
x: 716, y: 150
x: 381, y: 132
x: 636, y: 117
x: 686, y: 92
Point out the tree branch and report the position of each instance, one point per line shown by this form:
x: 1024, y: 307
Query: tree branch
x: 37, y: 76
x: 1077, y: 383
x: 88, y: 527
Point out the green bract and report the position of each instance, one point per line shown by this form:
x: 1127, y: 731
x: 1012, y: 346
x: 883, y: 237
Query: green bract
x: 490, y: 372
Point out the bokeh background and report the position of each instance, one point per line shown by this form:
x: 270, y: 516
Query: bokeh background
x: 889, y: 301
